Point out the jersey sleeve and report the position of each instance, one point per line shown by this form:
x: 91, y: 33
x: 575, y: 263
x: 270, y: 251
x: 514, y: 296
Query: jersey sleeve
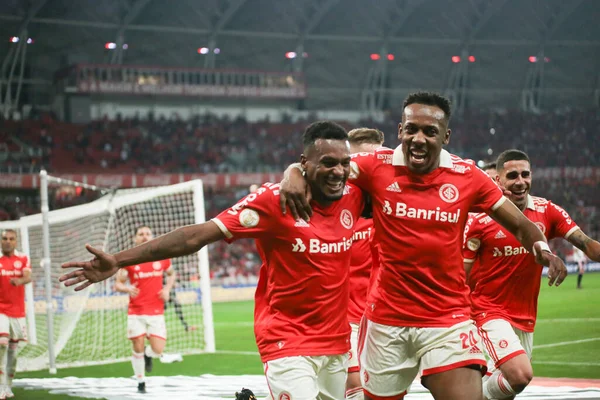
x: 472, y: 239
x: 253, y: 216
x: 27, y: 262
x: 166, y: 264
x: 488, y: 195
x: 561, y: 222
x: 362, y: 166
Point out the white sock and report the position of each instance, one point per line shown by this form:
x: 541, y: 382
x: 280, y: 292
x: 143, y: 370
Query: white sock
x: 11, y: 362
x: 355, y: 394
x: 3, y: 349
x: 497, y: 387
x: 150, y: 353
x: 137, y: 362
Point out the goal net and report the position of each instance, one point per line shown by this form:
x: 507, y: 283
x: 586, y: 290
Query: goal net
x: 90, y: 327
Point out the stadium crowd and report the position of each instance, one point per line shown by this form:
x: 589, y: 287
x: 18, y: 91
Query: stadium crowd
x: 211, y: 144
x: 208, y: 144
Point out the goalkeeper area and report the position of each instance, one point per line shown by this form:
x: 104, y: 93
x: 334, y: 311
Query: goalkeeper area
x: 566, y: 346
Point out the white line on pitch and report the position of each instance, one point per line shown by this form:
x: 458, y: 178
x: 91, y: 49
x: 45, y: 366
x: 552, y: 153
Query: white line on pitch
x: 543, y: 346
x: 568, y: 320
x: 584, y: 364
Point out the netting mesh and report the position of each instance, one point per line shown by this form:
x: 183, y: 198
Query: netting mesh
x: 90, y: 326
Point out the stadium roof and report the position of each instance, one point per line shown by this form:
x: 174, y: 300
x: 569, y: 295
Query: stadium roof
x: 338, y: 36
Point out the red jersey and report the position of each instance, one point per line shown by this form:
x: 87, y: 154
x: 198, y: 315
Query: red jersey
x: 361, y: 262
x: 12, y: 298
x: 506, y: 278
x: 419, y: 225
x: 301, y: 300
x: 148, y: 278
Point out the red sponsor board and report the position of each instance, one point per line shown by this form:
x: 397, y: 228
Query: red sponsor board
x: 218, y: 181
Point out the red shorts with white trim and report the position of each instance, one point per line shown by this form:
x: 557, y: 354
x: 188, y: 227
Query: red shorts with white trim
x: 391, y: 356
x: 146, y: 325
x: 502, y: 341
x: 13, y: 328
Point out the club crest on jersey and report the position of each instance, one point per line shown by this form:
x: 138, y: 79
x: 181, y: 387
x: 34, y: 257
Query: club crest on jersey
x: 249, y: 218
x: 346, y: 219
x: 18, y: 264
x: 541, y: 226
x: 156, y: 265
x: 354, y: 170
x: 449, y: 193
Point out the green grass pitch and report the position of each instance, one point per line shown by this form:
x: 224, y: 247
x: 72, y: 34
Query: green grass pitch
x: 566, y: 342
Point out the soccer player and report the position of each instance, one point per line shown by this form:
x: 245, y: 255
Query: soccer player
x: 147, y: 298
x: 490, y: 169
x: 581, y: 260
x: 15, y: 272
x: 418, y: 313
x: 507, y: 283
x: 301, y: 301
x: 361, y: 264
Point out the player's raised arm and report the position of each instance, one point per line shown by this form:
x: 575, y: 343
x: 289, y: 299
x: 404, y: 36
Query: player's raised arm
x: 530, y: 236
x: 179, y: 242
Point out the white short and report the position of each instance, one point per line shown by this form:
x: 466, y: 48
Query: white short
x: 146, y: 325
x: 307, y: 378
x: 13, y: 328
x: 391, y: 357
x: 502, y: 341
x: 353, y: 365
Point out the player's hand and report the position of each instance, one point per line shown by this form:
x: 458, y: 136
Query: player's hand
x: 295, y: 194
x: 14, y: 281
x: 164, y: 295
x: 133, y: 291
x: 505, y: 191
x: 100, y: 268
x: 557, y: 271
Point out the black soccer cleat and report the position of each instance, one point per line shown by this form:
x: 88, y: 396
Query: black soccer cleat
x: 142, y: 387
x: 147, y: 363
x: 245, y: 394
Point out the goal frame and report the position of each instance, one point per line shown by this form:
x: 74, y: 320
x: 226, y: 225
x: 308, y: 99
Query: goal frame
x: 99, y: 206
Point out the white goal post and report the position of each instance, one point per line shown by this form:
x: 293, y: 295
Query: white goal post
x: 89, y: 327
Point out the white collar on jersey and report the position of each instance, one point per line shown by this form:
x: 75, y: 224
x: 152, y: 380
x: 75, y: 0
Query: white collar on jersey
x: 530, y: 204
x: 398, y: 158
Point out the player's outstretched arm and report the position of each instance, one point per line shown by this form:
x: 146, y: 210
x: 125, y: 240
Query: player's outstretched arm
x: 180, y: 242
x: 530, y: 236
x: 295, y: 193
x: 583, y: 242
